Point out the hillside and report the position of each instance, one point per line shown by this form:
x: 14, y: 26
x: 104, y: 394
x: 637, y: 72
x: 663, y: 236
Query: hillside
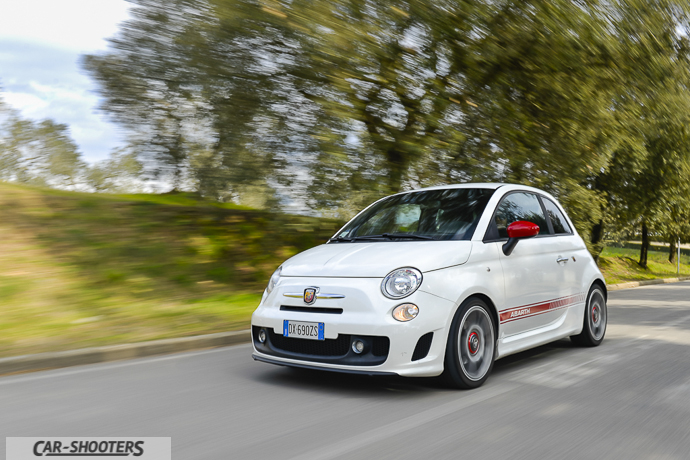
x: 81, y: 270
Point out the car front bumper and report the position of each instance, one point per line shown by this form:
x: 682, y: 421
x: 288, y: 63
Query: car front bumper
x: 393, y: 347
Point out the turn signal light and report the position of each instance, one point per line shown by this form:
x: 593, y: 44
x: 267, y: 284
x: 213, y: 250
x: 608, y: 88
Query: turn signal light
x: 405, y: 312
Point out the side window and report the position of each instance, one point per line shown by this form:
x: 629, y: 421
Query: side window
x: 520, y: 206
x: 560, y: 224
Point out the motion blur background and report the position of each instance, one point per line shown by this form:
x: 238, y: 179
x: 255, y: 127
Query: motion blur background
x: 250, y: 130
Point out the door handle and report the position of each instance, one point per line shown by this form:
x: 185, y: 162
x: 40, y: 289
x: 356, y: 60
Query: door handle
x: 561, y: 259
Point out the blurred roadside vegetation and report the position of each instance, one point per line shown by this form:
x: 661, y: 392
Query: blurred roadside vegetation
x: 80, y: 270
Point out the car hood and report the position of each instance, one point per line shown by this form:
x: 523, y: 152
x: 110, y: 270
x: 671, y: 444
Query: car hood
x: 376, y: 260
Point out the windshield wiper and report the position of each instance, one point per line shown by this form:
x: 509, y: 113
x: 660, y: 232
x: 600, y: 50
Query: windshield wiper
x: 406, y: 235
x: 391, y: 236
x: 339, y: 239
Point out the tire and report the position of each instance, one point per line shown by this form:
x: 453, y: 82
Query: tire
x: 471, y: 346
x: 595, y: 320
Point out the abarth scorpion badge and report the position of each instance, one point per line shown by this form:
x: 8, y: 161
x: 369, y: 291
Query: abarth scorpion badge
x: 310, y: 295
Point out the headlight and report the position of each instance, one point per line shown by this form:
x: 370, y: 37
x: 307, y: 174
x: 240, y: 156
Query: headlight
x: 274, y: 280
x: 401, y: 282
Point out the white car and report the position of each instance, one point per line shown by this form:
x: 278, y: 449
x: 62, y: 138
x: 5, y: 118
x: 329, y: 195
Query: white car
x: 442, y: 280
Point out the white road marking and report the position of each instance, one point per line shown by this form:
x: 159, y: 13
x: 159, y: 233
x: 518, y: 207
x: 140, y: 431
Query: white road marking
x: 661, y: 333
x: 623, y: 303
x: 676, y: 322
x: 396, y: 428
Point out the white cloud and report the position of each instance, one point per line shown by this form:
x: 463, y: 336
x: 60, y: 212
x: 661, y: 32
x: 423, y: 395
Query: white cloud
x: 41, y: 42
x: 28, y: 104
x: 80, y: 25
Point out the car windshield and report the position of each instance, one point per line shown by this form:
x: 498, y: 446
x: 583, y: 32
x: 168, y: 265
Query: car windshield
x: 450, y: 214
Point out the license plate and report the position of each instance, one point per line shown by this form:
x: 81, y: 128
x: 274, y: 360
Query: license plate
x: 303, y: 330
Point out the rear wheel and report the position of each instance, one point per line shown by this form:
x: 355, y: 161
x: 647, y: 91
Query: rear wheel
x: 595, y: 320
x: 471, y: 345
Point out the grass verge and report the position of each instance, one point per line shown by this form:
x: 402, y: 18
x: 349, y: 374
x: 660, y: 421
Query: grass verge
x: 619, y: 265
x: 80, y: 270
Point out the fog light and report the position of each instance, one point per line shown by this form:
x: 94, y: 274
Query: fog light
x: 262, y: 336
x: 405, y: 312
x: 358, y: 346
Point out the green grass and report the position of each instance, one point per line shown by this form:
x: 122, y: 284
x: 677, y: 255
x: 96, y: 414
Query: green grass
x: 619, y: 264
x: 80, y: 270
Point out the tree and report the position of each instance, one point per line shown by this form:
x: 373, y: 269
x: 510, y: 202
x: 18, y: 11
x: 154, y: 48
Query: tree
x: 648, y: 169
x: 182, y: 78
x: 120, y: 173
x: 39, y: 153
x: 335, y: 103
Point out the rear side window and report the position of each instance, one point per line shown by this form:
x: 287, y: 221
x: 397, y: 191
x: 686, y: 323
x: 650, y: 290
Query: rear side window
x: 560, y: 224
x: 520, y: 206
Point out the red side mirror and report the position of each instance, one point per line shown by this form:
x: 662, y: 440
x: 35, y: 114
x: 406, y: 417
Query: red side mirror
x: 522, y: 229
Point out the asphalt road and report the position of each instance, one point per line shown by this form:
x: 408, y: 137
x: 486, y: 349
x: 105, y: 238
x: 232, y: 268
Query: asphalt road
x: 627, y: 399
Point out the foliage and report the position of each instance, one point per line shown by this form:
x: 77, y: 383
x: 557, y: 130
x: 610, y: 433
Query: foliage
x: 38, y: 153
x: 348, y: 100
x: 42, y: 153
x: 645, y: 183
x: 120, y: 173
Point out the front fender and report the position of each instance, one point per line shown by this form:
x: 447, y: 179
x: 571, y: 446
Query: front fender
x: 482, y: 274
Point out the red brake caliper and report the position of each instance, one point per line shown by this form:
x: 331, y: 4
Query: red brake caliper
x: 473, y: 342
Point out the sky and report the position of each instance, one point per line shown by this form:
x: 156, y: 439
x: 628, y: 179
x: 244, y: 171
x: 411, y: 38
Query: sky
x: 41, y: 42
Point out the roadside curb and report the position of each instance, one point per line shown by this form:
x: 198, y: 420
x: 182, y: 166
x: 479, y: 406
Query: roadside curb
x: 53, y: 360
x: 634, y: 284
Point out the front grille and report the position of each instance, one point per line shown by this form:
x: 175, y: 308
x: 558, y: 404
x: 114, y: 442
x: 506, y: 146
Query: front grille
x: 334, y: 351
x: 328, y: 347
x: 333, y: 311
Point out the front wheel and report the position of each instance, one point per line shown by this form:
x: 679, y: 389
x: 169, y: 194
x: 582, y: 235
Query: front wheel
x: 471, y: 345
x: 595, y: 320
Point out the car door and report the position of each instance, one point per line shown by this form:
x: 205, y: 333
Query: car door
x: 571, y: 251
x: 535, y: 282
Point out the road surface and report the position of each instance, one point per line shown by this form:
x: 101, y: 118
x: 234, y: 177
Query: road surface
x: 627, y: 399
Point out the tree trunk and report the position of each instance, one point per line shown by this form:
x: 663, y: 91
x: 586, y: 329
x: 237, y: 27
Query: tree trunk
x: 673, y: 248
x: 645, y: 245
x: 596, y: 240
x: 397, y: 165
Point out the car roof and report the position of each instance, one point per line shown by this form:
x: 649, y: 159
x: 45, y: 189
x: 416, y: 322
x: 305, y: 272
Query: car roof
x: 489, y: 185
x: 485, y: 185
x: 506, y: 188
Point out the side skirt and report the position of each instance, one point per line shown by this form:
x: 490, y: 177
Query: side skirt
x: 567, y: 325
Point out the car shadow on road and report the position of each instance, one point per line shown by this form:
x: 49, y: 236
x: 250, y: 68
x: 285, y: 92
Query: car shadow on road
x: 363, y: 385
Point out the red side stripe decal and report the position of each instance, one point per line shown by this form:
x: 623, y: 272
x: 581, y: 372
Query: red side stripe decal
x: 526, y: 311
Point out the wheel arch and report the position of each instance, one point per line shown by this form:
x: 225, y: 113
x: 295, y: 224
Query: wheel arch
x: 602, y: 285
x: 492, y: 308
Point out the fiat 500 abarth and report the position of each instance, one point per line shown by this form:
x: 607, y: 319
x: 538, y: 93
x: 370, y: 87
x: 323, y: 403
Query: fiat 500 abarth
x: 442, y: 280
